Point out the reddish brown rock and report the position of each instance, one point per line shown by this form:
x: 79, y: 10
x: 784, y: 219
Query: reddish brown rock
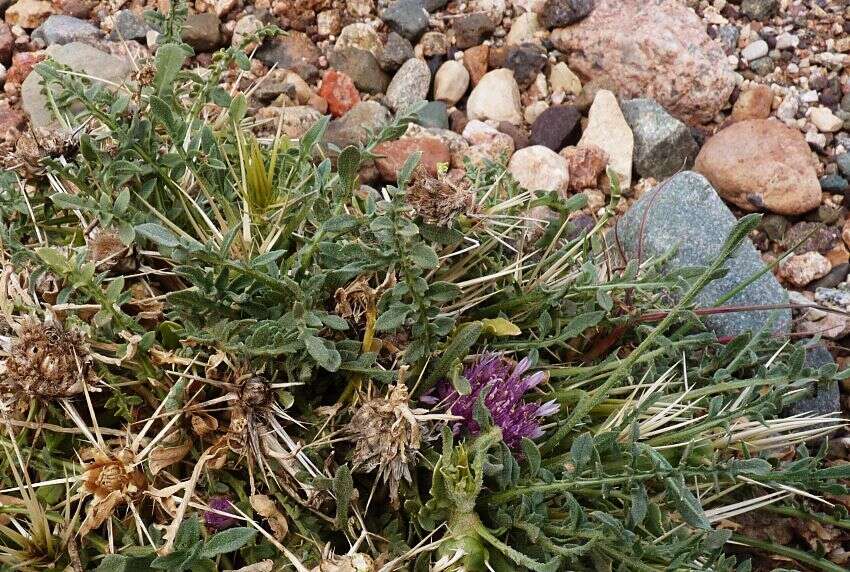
x: 29, y: 14
x: 7, y: 44
x: 475, y: 59
x: 22, y: 64
x: 395, y: 153
x: 657, y: 50
x: 754, y: 103
x: 339, y: 91
x: 586, y: 165
x: 761, y: 164
x: 12, y: 121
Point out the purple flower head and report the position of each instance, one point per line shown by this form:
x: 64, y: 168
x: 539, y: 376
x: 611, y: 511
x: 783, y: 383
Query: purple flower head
x: 506, y: 387
x: 215, y: 520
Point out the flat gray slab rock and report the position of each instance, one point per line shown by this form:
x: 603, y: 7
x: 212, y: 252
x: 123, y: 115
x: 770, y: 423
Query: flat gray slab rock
x: 687, y: 213
x: 81, y: 58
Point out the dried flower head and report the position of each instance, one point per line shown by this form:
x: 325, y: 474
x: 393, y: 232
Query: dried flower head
x: 146, y: 73
x: 213, y: 517
x: 357, y: 562
x: 109, y: 253
x: 387, y: 434
x: 113, y: 479
x: 436, y: 199
x: 47, y: 362
x: 505, y: 387
x: 39, y: 144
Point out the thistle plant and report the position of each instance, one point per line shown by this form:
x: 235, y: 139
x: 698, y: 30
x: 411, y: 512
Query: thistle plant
x: 225, y: 351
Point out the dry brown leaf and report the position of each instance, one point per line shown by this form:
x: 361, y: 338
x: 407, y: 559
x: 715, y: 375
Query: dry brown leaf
x: 173, y: 449
x: 203, y: 424
x: 99, y: 510
x: 267, y: 508
x: 264, y: 566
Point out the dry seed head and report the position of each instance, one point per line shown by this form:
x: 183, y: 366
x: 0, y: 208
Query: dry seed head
x: 47, y: 362
x: 387, y: 436
x: 255, y: 393
x: 438, y: 200
x: 106, y: 249
x: 112, y: 472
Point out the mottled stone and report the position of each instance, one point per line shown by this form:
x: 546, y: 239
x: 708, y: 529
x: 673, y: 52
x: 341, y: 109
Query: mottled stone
x: 353, y: 127
x: 586, y: 166
x: 294, y: 51
x: 362, y: 67
x: 393, y: 154
x: 608, y: 130
x: 496, y: 97
x: 663, y: 144
x: 409, y: 85
x: 657, y: 50
x: 687, y: 214
x: 60, y: 29
x: 407, y: 18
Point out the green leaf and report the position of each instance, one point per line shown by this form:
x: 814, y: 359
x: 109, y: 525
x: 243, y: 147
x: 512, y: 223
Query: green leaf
x: 341, y: 223
x: 73, y: 202
x: 500, y: 327
x: 343, y: 486
x: 639, y: 506
x: 227, y: 541
x: 238, y: 108
x: 52, y: 257
x: 532, y: 455
x: 407, y: 169
x: 169, y: 60
x: 348, y: 165
x: 122, y: 201
x: 113, y: 291
x: 324, y: 356
x: 392, y: 318
x: 158, y: 234
x: 582, y: 450
x: 457, y: 349
x: 686, y: 503
x: 424, y: 256
x: 188, y: 533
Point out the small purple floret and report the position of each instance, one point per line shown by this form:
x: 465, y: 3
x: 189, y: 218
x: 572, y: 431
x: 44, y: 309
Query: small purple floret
x: 506, y: 387
x: 216, y: 521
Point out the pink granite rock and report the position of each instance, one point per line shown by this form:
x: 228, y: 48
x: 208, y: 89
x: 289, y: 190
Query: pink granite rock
x: 651, y: 48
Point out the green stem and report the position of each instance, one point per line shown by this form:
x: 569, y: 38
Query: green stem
x: 803, y: 557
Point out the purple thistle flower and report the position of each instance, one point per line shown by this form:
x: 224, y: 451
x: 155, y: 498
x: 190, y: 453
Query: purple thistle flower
x: 216, y: 521
x: 506, y: 387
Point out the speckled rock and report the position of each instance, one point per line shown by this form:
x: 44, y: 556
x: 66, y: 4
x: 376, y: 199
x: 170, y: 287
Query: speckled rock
x: 586, y: 165
x: 538, y: 168
x: 409, y: 85
x: 558, y: 13
x: 663, y: 144
x: 202, y: 32
x: 762, y: 164
x: 686, y: 213
x: 362, y: 67
x: 659, y: 50
x: 754, y: 103
x: 353, y: 127
x: 407, y: 18
x: 801, y: 269
x: 60, y: 29
x: 128, y: 25
x: 294, y: 51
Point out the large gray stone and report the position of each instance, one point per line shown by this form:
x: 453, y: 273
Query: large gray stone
x: 686, y: 214
x: 61, y: 29
x: 81, y: 58
x: 353, y: 127
x: 663, y: 144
